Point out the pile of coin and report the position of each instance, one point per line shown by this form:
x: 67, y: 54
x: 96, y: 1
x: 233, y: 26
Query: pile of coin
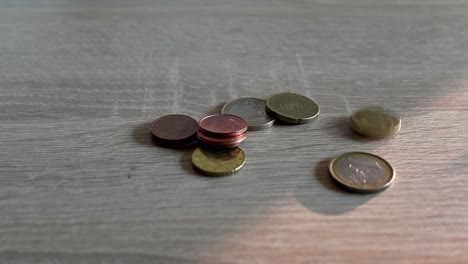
x: 222, y: 131
x: 219, y: 136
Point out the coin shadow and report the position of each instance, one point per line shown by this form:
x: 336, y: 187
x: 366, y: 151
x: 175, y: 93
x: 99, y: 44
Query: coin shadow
x: 331, y: 200
x: 217, y: 109
x: 141, y: 134
x: 341, y: 126
x: 282, y: 123
x: 186, y: 161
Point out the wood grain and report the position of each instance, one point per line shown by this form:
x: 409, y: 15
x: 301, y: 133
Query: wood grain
x: 81, y: 182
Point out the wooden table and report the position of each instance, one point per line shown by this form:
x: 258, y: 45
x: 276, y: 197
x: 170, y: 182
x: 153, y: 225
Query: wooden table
x: 81, y: 181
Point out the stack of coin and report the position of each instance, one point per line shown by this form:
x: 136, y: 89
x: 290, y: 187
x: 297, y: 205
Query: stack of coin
x: 175, y: 131
x: 222, y: 131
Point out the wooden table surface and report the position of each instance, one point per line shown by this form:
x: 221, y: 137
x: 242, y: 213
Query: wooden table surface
x: 81, y: 182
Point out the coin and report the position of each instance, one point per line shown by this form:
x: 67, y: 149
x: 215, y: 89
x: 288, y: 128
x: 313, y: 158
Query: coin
x: 292, y: 108
x: 220, y: 125
x: 182, y: 145
x: 222, y: 142
x: 252, y: 110
x: 218, y: 162
x: 362, y: 172
x: 175, y: 130
x: 376, y: 122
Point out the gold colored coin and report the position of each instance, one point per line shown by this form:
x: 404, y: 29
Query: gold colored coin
x: 376, y: 122
x: 362, y: 172
x: 218, y: 162
x: 292, y: 108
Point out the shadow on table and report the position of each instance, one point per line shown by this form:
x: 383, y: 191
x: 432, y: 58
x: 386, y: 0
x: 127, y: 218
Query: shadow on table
x: 217, y: 109
x: 331, y: 201
x: 341, y: 126
x: 192, y: 217
x: 186, y: 162
x: 141, y: 134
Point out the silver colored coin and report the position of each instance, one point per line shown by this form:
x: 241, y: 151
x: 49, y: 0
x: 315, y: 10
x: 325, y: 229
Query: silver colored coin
x: 250, y: 109
x: 362, y: 172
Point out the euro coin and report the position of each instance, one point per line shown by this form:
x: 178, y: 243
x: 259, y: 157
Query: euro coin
x: 221, y: 142
x: 218, y: 162
x: 250, y: 109
x: 292, y: 108
x: 220, y: 125
x: 175, y: 131
x: 376, y: 122
x: 362, y: 172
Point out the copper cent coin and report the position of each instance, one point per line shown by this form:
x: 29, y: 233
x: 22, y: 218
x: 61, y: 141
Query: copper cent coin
x: 174, y: 129
x: 221, y: 125
x: 226, y: 142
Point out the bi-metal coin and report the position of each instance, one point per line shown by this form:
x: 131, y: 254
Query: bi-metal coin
x: 292, y: 108
x: 175, y: 131
x: 218, y: 162
x: 376, y: 122
x: 250, y: 109
x: 362, y: 172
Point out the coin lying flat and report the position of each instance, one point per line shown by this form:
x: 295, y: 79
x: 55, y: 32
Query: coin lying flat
x: 176, y: 131
x: 250, y: 109
x: 292, y: 108
x: 376, y: 122
x: 220, y: 125
x: 221, y: 142
x: 362, y: 172
x: 219, y: 162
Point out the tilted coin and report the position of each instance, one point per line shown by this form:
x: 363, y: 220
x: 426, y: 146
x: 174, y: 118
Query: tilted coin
x: 252, y: 110
x: 292, y: 108
x: 376, y: 122
x: 175, y: 130
x: 218, y: 162
x: 220, y: 125
x: 362, y: 172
